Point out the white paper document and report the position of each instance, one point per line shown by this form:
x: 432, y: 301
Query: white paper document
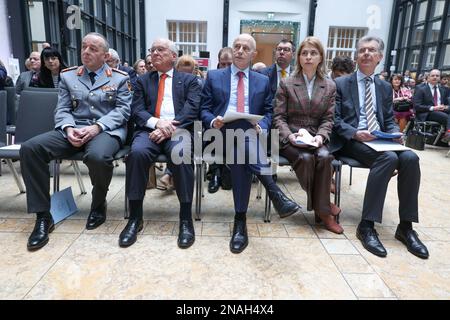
x: 231, y: 116
x: 305, y: 137
x: 11, y: 147
x: 386, y: 145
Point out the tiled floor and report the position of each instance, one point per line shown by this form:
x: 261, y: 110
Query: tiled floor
x: 287, y: 259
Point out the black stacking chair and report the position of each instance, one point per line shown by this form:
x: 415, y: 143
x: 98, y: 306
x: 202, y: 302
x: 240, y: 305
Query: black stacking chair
x: 3, y: 101
x: 35, y: 116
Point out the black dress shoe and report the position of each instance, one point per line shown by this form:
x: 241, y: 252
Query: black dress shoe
x: 214, y: 184
x: 39, y: 236
x: 239, y: 239
x: 412, y: 242
x: 282, y: 204
x: 370, y: 241
x: 186, y: 236
x: 128, y: 236
x: 96, y: 217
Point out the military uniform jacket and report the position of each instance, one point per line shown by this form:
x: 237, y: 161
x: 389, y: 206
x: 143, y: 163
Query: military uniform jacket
x: 107, y: 101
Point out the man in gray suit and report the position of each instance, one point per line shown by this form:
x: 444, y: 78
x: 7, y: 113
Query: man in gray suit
x: 91, y: 115
x: 25, y: 77
x: 363, y: 105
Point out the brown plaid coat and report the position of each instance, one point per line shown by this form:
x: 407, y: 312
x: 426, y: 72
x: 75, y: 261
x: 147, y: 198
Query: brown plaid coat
x: 294, y: 110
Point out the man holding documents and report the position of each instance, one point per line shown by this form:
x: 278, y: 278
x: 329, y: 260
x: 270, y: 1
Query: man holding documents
x: 364, y: 105
x: 239, y: 89
x: 304, y: 110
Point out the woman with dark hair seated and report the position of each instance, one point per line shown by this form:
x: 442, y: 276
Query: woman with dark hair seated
x: 402, y: 101
x: 51, y: 66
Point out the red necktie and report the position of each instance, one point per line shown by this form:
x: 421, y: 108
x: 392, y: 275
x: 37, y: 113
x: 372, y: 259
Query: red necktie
x: 161, y: 85
x: 435, y: 96
x: 241, y: 93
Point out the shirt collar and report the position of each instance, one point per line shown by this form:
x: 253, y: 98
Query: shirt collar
x: 432, y: 87
x: 97, y: 72
x: 235, y: 70
x: 288, y: 69
x: 361, y: 76
x: 169, y: 73
x: 306, y: 78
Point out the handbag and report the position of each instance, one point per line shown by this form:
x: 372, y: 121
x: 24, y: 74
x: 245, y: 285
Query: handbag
x: 402, y: 105
x: 415, y: 139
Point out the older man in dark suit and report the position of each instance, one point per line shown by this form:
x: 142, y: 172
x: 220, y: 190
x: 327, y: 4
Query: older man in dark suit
x: 431, y: 102
x: 239, y: 89
x: 364, y: 104
x: 164, y: 100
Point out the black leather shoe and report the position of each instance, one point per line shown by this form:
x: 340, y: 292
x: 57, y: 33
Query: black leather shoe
x: 214, y: 184
x: 283, y: 205
x: 370, y: 241
x: 239, y: 239
x: 186, y: 236
x: 412, y: 242
x: 39, y: 236
x: 128, y: 236
x: 96, y: 217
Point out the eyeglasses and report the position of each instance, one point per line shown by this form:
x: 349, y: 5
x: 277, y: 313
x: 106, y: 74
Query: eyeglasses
x: 313, y: 53
x: 158, y: 49
x: 370, y: 50
x: 279, y: 49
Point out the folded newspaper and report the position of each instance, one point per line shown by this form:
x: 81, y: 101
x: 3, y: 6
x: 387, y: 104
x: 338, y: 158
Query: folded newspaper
x: 231, y: 116
x: 305, y: 137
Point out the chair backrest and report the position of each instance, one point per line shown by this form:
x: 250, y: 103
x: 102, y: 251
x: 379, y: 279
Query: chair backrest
x: 41, y: 89
x: 35, y: 114
x: 11, y: 108
x: 3, y: 104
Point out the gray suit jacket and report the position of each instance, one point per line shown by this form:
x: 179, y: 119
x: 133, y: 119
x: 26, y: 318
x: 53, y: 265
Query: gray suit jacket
x: 24, y: 81
x: 107, y: 101
x: 346, y: 117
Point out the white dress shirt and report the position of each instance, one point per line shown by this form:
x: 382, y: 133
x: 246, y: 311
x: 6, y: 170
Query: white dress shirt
x: 167, y: 111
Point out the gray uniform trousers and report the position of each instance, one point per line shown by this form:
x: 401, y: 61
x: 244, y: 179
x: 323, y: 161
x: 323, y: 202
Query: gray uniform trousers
x: 36, y: 153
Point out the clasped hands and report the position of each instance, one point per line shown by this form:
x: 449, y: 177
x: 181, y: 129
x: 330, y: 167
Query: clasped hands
x: 164, y: 130
x: 79, y: 136
x: 440, y: 108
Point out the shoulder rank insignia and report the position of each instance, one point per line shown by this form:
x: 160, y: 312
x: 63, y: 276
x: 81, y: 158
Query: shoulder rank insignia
x: 120, y: 71
x: 68, y: 69
x: 130, y: 87
x: 80, y: 71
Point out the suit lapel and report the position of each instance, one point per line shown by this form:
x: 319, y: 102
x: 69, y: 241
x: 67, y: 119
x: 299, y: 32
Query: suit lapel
x: 378, y: 88
x: 355, y: 94
x: 101, y: 81
x: 251, y: 85
x: 177, y: 91
x: 301, y: 91
x: 85, y: 80
x: 226, y: 83
x: 318, y: 92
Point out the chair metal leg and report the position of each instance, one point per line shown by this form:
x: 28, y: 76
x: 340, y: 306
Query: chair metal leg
x: 337, y: 194
x: 351, y: 173
x: 441, y: 131
x: 267, y: 207
x: 15, y: 175
x: 77, y: 171
x: 56, y: 169
x: 198, y: 190
x: 259, y: 190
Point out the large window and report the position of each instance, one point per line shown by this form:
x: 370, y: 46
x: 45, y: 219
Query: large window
x: 112, y: 18
x: 190, y: 36
x: 342, y: 42
x: 422, y: 36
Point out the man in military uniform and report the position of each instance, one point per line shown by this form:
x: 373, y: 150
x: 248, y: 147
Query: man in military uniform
x: 91, y: 115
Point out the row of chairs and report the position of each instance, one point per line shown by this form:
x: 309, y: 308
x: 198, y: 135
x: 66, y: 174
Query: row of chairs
x: 35, y: 116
